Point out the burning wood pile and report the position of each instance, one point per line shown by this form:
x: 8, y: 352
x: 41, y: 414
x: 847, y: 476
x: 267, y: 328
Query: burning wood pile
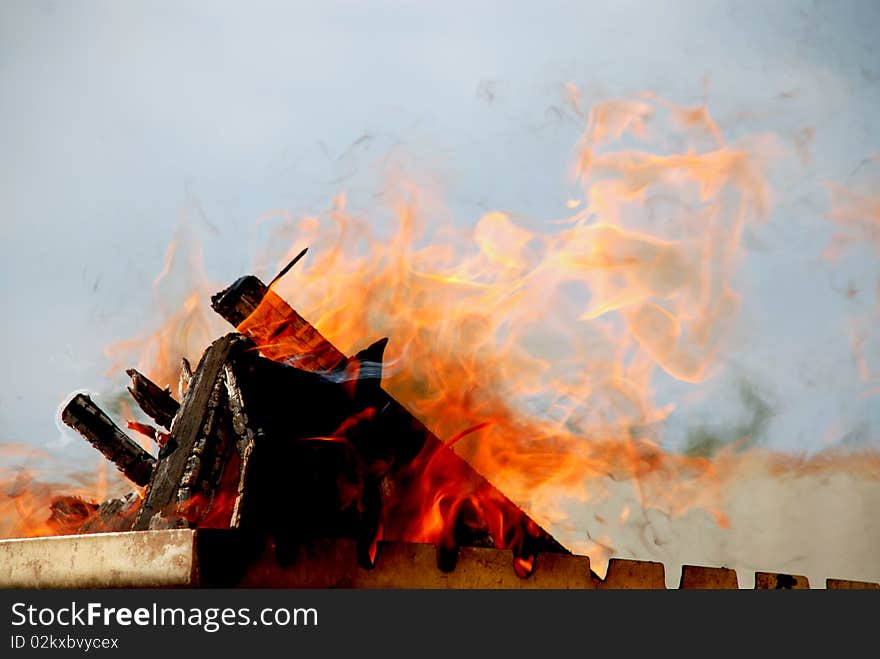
x: 278, y: 435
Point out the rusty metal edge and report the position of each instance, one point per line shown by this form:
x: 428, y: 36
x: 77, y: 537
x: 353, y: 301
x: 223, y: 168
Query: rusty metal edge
x: 156, y: 559
x: 183, y: 558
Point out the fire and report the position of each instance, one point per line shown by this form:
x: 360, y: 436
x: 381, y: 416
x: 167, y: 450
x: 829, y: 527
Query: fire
x: 531, y: 349
x: 30, y: 500
x: 544, y: 344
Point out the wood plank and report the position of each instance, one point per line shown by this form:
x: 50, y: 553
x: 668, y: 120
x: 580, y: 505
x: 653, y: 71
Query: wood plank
x: 399, y: 437
x: 282, y: 334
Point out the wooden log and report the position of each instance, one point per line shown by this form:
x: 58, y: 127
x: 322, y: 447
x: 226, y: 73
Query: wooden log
x: 205, y: 495
x: 175, y: 458
x: 91, y: 422
x: 240, y: 300
x: 299, y: 485
x: 157, y: 403
x: 398, y: 437
x: 201, y: 462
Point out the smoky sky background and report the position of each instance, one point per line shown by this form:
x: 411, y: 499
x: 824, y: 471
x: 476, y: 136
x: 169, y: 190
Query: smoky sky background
x: 121, y: 120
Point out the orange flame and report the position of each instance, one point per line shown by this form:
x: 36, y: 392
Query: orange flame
x: 543, y: 341
x: 546, y: 343
x: 31, y: 503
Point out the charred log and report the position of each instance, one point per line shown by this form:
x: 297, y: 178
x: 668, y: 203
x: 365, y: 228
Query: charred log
x: 207, y: 460
x: 240, y: 300
x: 91, y: 422
x: 157, y: 403
x: 246, y: 437
x: 182, y: 457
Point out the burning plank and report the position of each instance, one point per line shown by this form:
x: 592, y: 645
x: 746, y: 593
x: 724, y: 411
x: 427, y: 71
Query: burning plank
x: 280, y: 332
x: 284, y: 335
